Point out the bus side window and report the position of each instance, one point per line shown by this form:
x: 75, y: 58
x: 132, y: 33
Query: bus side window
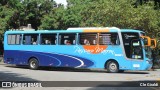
x: 30, y: 39
x: 88, y: 38
x: 94, y: 42
x: 108, y: 39
x: 55, y: 41
x: 48, y: 39
x: 74, y: 42
x: 14, y: 39
x: 65, y: 42
x: 67, y: 39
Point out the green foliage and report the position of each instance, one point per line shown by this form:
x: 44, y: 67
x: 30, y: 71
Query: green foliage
x: 25, y: 11
x: 46, y: 14
x: 53, y: 20
x: 5, y: 18
x: 121, y: 14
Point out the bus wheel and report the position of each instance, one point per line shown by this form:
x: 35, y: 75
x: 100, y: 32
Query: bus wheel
x: 33, y: 63
x: 112, y: 67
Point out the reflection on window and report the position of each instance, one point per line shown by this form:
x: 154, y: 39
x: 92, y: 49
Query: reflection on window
x: 136, y: 50
x: 30, y: 39
x: 108, y: 39
x: 88, y: 39
x: 67, y: 39
x: 48, y: 39
x: 127, y: 39
x: 14, y: 39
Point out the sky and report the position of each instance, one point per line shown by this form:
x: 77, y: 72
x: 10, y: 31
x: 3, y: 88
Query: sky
x: 61, y: 1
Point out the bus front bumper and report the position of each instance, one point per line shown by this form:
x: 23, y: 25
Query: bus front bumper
x: 148, y: 65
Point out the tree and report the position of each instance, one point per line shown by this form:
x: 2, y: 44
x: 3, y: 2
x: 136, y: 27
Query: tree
x: 53, y: 20
x: 121, y: 14
x: 34, y: 11
x: 6, y: 14
x: 46, y: 14
x: 62, y: 18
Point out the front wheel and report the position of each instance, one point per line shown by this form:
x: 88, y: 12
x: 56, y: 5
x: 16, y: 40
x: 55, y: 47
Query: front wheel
x: 112, y: 67
x: 33, y: 63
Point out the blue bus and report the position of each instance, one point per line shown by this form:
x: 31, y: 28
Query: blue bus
x: 108, y: 48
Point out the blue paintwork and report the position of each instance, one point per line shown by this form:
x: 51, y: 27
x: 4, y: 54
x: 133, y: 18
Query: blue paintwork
x: 45, y: 54
x: 46, y: 59
x: 68, y: 56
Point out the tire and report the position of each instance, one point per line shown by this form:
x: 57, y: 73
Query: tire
x: 112, y: 67
x: 33, y: 64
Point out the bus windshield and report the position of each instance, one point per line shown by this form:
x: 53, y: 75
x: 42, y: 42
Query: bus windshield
x: 147, y: 47
x: 132, y: 45
x: 148, y: 51
x: 136, y: 49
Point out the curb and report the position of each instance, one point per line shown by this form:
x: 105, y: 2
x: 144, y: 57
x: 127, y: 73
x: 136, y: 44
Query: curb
x: 157, y: 69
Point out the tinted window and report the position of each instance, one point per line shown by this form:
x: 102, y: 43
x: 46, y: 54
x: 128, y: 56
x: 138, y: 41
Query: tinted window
x: 88, y: 38
x: 136, y: 49
x: 108, y: 39
x: 48, y: 39
x: 67, y: 39
x: 30, y: 39
x: 14, y: 39
x: 128, y: 38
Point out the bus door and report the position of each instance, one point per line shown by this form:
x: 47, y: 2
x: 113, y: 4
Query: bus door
x: 139, y: 52
x: 136, y: 54
x: 132, y: 49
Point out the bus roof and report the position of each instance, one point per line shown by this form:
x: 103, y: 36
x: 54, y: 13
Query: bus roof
x: 76, y: 30
x: 131, y: 30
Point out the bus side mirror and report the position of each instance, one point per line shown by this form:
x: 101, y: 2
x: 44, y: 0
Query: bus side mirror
x: 153, y: 43
x: 147, y: 40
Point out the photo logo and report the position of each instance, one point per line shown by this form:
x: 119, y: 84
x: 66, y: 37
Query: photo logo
x: 6, y: 84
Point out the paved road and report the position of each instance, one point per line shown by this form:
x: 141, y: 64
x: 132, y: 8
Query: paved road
x: 13, y: 73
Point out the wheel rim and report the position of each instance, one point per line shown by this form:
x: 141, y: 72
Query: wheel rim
x: 113, y: 67
x: 33, y: 64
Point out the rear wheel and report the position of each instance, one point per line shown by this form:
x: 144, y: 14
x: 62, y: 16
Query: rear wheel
x: 33, y: 63
x: 112, y: 67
